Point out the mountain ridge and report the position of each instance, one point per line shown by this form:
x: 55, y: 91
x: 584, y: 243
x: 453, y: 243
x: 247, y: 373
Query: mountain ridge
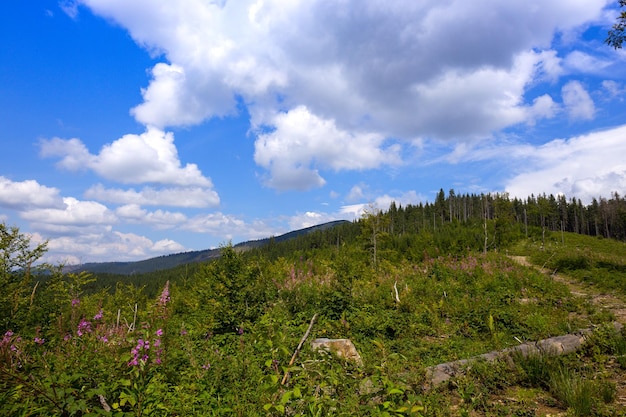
x: 176, y: 259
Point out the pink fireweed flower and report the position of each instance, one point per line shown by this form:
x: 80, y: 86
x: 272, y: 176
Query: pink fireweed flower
x: 99, y: 315
x: 139, y: 353
x: 159, y: 332
x: 83, y: 327
x: 7, y: 337
x: 165, y: 295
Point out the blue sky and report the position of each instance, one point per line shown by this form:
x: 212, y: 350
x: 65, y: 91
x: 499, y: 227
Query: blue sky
x: 132, y: 129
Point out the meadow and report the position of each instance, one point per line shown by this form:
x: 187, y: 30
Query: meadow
x: 219, y: 341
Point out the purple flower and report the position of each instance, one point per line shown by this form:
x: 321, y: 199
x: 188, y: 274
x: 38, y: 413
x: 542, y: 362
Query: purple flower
x: 7, y: 337
x: 75, y: 302
x: 98, y: 316
x: 206, y: 366
x: 83, y: 327
x: 240, y: 331
x: 165, y: 295
x: 159, y: 332
x: 39, y: 340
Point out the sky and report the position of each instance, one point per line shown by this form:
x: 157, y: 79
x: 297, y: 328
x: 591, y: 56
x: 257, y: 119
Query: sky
x: 134, y: 129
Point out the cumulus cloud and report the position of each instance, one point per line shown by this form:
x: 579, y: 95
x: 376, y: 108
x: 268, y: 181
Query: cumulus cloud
x: 196, y: 197
x: 577, y: 101
x: 381, y: 202
x: 160, y: 219
x: 29, y: 194
x: 310, y: 219
x: 362, y: 70
x: 218, y: 224
x: 75, y: 217
x: 302, y: 141
x: 150, y: 157
x: 357, y: 192
x: 577, y: 167
x: 106, y: 247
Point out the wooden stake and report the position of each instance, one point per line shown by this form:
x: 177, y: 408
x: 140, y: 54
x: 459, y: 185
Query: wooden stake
x: 295, y: 354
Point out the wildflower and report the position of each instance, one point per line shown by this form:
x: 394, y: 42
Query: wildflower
x: 83, y: 327
x: 39, y: 340
x: 7, y: 337
x: 183, y: 332
x: 99, y: 315
x: 140, y: 353
x: 165, y: 295
x: 75, y: 302
x: 206, y: 366
x: 240, y: 331
x: 159, y: 332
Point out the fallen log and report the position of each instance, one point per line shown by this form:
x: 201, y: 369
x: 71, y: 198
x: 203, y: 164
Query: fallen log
x: 559, y: 345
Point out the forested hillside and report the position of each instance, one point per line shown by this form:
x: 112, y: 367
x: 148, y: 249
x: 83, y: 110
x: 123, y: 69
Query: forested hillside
x: 411, y: 287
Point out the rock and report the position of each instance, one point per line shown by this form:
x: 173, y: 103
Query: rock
x: 343, y: 348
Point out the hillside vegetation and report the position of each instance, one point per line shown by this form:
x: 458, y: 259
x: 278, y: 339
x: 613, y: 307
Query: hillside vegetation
x: 411, y: 287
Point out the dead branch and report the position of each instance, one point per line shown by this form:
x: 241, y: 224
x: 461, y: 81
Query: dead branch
x: 295, y: 354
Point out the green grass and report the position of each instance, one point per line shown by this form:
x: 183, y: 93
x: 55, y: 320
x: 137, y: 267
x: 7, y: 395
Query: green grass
x: 228, y: 334
x: 597, y: 261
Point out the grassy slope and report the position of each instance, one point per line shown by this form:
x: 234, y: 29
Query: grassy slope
x: 450, y: 307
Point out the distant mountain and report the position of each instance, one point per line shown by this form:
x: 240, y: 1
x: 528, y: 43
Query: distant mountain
x: 174, y: 260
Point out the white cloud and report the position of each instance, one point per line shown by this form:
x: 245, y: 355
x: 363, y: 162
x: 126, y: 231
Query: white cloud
x: 133, y: 159
x: 197, y: 197
x: 69, y: 7
x: 584, y: 63
x: 357, y: 192
x: 577, y: 101
x: 309, y: 219
x: 75, y: 217
x: 218, y: 224
x: 613, y: 89
x: 302, y: 141
x: 167, y: 246
x: 21, y: 195
x: 543, y: 108
x: 382, y: 202
x: 579, y: 167
x: 106, y: 247
x: 362, y: 70
x: 159, y: 219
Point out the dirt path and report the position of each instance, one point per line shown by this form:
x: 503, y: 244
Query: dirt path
x: 604, y: 301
